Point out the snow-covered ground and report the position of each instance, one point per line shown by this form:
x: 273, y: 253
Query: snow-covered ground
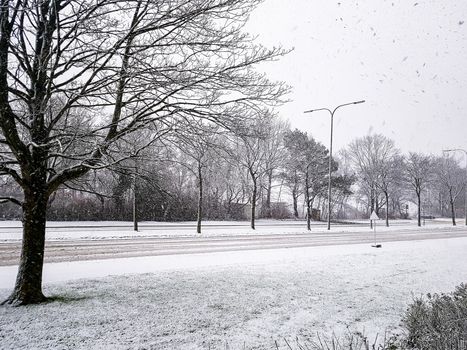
x: 248, y: 298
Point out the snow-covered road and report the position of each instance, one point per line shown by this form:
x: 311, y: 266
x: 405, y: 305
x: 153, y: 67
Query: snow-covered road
x: 99, y: 246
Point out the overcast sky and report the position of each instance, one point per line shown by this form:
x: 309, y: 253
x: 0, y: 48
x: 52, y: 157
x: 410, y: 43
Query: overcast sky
x: 407, y: 59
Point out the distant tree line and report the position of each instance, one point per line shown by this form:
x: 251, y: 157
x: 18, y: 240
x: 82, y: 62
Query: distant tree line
x: 269, y: 171
x: 263, y: 170
x: 388, y: 180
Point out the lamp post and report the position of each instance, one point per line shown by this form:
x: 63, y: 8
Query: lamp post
x: 331, y: 112
x: 465, y: 184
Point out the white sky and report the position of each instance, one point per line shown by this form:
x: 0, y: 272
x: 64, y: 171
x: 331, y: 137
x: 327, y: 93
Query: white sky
x: 407, y: 59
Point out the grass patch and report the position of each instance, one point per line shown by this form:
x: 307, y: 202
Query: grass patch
x: 66, y: 299
x: 351, y: 341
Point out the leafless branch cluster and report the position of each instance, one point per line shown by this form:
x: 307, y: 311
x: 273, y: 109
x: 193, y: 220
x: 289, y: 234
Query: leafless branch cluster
x: 79, y: 78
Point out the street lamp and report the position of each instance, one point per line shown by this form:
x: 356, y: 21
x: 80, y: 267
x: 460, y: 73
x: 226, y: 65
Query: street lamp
x: 330, y: 149
x: 465, y: 184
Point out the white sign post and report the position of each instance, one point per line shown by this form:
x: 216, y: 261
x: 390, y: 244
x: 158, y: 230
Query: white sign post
x: 373, y: 218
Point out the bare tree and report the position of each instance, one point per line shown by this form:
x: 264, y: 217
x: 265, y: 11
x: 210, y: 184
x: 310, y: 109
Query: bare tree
x: 418, y: 172
x: 372, y: 158
x: 452, y: 179
x: 200, y: 145
x: 274, y: 156
x: 250, y: 151
x: 235, y: 183
x: 389, y: 177
x: 78, y: 76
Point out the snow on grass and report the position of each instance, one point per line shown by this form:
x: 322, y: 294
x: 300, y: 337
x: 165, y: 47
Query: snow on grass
x: 252, y: 297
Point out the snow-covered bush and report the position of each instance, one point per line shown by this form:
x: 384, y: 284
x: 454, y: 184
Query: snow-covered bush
x: 438, y: 321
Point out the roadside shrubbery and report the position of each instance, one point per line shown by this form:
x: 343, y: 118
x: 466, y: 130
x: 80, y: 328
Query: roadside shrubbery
x: 438, y: 321
x: 434, y: 322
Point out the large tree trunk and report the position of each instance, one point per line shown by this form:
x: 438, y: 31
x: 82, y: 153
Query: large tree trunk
x: 200, y: 199
x: 253, y: 203
x: 28, y: 287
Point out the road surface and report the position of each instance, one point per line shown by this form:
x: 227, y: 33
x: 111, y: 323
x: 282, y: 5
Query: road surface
x: 107, y: 248
x: 70, y: 226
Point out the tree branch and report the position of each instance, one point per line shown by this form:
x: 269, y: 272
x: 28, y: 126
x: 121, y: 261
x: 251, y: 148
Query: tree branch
x: 12, y: 200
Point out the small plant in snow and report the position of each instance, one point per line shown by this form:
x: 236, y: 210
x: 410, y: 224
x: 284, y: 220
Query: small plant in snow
x: 350, y: 341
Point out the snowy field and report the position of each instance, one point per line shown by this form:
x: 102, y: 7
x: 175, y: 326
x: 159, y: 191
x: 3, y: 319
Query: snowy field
x: 244, y: 299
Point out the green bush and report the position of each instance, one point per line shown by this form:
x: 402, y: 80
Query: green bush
x: 438, y: 321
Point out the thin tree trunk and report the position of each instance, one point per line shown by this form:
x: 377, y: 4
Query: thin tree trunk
x: 200, y: 199
x: 102, y: 213
x: 295, y: 203
x: 307, y: 200
x: 268, y: 195
x: 440, y: 201
x: 453, y: 210
x: 419, y: 209
x: 135, y: 204
x: 280, y: 192
x: 167, y: 211
x: 376, y: 205
x: 372, y: 205
x: 453, y: 214
x: 387, y: 208
x: 28, y: 287
x: 253, y: 203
